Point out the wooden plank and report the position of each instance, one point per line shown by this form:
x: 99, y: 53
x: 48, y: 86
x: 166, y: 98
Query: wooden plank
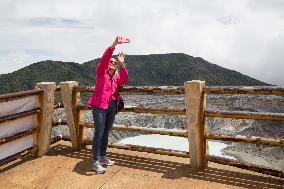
x: 153, y: 89
x: 164, y: 111
x: 17, y: 136
x: 246, y: 139
x: 84, y: 88
x: 149, y: 110
x: 266, y: 90
x: 161, y: 131
x: 246, y: 115
x: 19, y: 95
x: 139, y: 89
x: 146, y: 149
x: 19, y: 115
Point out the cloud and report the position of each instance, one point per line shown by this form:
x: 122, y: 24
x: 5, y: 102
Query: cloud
x: 54, y: 22
x: 16, y: 59
x: 228, y: 20
x: 241, y: 35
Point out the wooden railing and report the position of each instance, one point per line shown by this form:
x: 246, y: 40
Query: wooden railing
x: 74, y: 118
x: 271, y: 90
x: 196, y: 113
x: 44, y: 93
x: 19, y: 95
x: 11, y: 117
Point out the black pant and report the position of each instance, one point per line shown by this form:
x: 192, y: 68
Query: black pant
x: 103, y: 120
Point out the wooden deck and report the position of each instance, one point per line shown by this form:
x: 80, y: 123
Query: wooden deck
x: 62, y: 168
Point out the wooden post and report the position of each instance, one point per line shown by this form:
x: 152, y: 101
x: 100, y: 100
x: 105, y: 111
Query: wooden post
x: 44, y: 119
x: 71, y: 100
x: 195, y: 99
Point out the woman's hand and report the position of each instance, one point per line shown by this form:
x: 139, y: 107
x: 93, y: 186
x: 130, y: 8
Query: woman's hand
x: 117, y: 41
x: 120, y: 58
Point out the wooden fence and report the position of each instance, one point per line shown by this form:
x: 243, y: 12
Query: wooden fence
x: 42, y: 130
x: 195, y: 99
x: 196, y: 118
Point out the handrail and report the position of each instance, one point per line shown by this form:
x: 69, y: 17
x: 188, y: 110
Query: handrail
x: 153, y: 89
x: 246, y: 115
x: 266, y: 90
x: 138, y: 89
x: 19, y: 115
x: 161, y: 131
x: 246, y: 139
x: 167, y: 111
x: 83, y: 88
x: 18, y: 95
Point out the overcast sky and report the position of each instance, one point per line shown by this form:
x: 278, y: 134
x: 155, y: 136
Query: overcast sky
x: 242, y: 35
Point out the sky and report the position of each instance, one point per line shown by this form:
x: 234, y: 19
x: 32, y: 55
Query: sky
x: 242, y: 35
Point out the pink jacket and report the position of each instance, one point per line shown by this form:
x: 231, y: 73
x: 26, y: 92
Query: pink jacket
x: 106, y: 88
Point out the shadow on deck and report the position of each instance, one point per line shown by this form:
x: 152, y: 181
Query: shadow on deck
x: 164, y: 168
x: 170, y: 169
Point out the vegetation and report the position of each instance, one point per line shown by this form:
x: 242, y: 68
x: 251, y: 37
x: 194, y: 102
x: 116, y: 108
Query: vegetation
x: 157, y: 69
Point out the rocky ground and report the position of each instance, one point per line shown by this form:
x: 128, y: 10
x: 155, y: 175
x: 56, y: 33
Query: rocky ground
x: 257, y: 154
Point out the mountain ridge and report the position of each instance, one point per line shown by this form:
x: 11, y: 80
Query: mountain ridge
x: 153, y: 69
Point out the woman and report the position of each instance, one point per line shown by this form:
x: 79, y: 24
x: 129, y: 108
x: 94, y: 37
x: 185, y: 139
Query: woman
x: 104, y: 102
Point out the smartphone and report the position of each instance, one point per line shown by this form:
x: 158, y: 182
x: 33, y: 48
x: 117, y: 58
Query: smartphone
x: 125, y: 40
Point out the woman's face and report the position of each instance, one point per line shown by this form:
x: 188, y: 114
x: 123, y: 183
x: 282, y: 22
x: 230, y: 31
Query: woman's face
x: 112, y: 64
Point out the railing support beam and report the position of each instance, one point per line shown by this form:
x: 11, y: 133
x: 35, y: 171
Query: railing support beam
x: 46, y: 101
x: 70, y: 101
x: 196, y: 122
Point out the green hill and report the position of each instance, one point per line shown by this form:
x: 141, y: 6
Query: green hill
x: 157, y: 69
